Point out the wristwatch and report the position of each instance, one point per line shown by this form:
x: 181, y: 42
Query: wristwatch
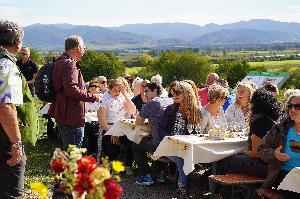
x: 17, y: 145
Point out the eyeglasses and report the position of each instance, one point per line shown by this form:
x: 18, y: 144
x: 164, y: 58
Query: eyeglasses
x: 295, y: 106
x: 177, y: 93
x: 102, y: 82
x: 93, y: 86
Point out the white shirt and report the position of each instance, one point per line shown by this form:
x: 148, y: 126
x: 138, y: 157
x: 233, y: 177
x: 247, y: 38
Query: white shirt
x: 208, y: 121
x: 10, y: 82
x: 115, y: 109
x: 234, y: 114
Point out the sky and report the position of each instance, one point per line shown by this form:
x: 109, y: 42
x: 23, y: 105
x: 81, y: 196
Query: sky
x: 110, y: 13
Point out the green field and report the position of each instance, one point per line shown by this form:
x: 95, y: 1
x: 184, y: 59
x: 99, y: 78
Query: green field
x: 278, y: 65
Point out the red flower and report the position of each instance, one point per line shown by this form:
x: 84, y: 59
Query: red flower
x: 83, y: 183
x: 113, y: 189
x: 86, y: 165
x: 58, y: 166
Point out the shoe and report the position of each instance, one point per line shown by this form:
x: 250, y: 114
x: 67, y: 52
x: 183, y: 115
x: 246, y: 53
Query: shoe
x: 181, y: 193
x: 144, y: 180
x: 161, y: 178
x: 128, y: 170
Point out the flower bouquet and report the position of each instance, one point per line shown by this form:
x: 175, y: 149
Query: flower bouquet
x: 80, y: 176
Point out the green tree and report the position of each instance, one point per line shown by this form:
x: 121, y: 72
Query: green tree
x: 34, y: 55
x: 233, y: 71
x: 172, y: 66
x: 96, y: 64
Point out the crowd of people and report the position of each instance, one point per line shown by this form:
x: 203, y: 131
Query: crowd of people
x: 273, y: 127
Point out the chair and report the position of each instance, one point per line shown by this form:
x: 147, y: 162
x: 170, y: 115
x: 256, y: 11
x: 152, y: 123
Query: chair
x: 241, y: 184
x: 269, y: 193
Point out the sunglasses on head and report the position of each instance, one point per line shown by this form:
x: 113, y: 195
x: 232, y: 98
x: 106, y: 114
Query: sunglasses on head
x: 177, y: 93
x: 295, y: 106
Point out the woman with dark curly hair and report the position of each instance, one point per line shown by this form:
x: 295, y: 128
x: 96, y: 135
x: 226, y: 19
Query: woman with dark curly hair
x: 264, y: 112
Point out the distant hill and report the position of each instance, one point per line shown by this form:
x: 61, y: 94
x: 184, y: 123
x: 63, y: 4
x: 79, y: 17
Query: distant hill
x: 52, y: 36
x: 245, y: 36
x: 159, y: 31
x: 163, y: 35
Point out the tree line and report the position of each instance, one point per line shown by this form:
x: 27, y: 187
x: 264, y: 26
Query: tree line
x: 170, y: 65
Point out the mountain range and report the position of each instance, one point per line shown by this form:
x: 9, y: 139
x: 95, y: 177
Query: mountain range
x: 157, y: 35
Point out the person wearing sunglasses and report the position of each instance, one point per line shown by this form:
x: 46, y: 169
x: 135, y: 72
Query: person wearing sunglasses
x: 280, y: 147
x: 176, y: 119
x: 102, y: 81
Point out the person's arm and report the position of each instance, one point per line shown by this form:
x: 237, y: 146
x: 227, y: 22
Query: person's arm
x: 101, y: 114
x: 9, y: 122
x: 139, y: 120
x: 256, y: 141
x: 265, y: 150
x: 70, y: 81
x: 128, y: 104
x: 164, y: 121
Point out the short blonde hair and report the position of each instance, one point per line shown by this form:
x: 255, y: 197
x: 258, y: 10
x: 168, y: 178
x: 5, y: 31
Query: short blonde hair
x: 290, y: 92
x: 216, y: 92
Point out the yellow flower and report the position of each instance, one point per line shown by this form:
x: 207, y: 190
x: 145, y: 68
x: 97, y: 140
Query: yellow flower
x: 99, y: 175
x: 39, y: 188
x: 117, y: 166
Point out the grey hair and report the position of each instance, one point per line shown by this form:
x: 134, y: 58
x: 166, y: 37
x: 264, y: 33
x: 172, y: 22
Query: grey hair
x: 290, y: 92
x: 72, y: 41
x: 10, y: 33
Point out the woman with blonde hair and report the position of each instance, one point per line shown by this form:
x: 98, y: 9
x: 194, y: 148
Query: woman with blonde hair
x: 238, y: 113
x: 176, y: 120
x: 114, y: 106
x: 212, y: 114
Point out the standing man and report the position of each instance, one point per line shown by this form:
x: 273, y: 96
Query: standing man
x: 203, y: 92
x: 12, y: 160
x: 68, y: 83
x: 28, y: 68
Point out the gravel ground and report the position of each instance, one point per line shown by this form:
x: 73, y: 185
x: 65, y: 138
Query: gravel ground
x: 156, y: 191
x: 159, y: 190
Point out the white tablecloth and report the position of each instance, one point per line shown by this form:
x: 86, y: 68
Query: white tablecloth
x: 291, y: 182
x: 128, y: 128
x: 194, y: 149
x: 91, y: 117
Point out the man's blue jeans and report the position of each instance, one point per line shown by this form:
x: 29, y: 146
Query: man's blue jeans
x: 71, y: 135
x: 11, y: 177
x: 181, y: 176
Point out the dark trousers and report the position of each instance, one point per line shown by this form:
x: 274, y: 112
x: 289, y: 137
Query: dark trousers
x: 140, y: 156
x: 112, y: 151
x: 11, y: 177
x: 242, y: 164
x: 51, y: 131
x: 90, y: 140
x: 71, y: 135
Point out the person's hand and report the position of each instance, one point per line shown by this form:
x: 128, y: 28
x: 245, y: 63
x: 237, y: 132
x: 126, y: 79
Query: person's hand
x: 97, y: 98
x: 123, y: 89
x: 281, y: 156
x: 115, y: 140
x: 16, y: 156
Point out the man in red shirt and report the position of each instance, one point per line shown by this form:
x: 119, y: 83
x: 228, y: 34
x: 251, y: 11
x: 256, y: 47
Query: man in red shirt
x: 68, y: 83
x: 203, y: 92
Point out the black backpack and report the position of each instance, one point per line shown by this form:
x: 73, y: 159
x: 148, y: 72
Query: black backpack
x: 43, y: 83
